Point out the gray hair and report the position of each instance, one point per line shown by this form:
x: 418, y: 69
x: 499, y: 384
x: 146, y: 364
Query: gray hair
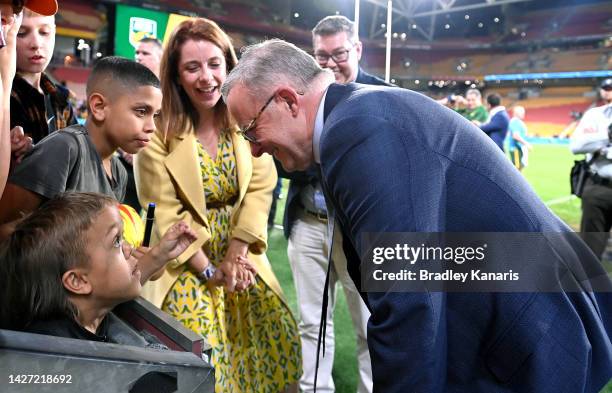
x: 270, y: 63
x: 335, y: 24
x: 476, y: 92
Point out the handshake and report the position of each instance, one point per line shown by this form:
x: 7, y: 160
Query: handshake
x: 235, y: 272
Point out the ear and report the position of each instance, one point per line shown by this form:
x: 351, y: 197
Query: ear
x: 291, y: 98
x: 76, y: 281
x: 97, y: 104
x: 358, y: 49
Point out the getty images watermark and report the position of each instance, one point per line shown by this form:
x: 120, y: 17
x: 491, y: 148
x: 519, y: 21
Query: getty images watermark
x: 479, y: 262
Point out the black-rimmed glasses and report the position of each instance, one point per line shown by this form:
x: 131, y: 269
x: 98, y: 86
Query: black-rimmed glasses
x: 245, y: 132
x: 339, y: 56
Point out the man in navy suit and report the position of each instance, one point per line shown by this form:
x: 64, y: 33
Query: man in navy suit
x: 392, y: 160
x: 336, y: 47
x: 497, y: 125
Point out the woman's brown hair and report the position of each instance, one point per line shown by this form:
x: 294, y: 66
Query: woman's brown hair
x: 178, y: 113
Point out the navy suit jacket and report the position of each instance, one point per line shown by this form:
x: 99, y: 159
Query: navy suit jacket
x: 497, y: 128
x: 301, y: 179
x: 393, y: 160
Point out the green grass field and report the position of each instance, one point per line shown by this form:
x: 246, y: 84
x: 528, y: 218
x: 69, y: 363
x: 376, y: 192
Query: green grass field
x: 548, y: 174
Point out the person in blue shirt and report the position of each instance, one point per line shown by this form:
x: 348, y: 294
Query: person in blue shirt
x: 517, y: 134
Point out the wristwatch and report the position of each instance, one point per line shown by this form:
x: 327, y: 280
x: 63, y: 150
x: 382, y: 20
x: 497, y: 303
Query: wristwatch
x: 207, y: 273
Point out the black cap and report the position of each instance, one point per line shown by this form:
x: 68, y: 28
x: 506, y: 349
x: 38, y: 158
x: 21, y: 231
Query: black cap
x: 606, y: 83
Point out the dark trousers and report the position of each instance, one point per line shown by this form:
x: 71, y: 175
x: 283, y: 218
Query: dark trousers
x: 596, y: 215
x: 275, y: 194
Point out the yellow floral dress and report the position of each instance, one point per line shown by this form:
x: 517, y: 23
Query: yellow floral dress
x: 255, y: 346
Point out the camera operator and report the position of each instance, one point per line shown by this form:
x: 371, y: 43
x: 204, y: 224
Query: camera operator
x: 593, y: 138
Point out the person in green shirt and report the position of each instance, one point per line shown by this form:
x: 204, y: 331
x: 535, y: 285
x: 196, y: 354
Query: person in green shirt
x: 471, y: 106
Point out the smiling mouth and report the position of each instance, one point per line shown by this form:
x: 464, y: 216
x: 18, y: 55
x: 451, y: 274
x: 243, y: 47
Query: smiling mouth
x: 207, y: 90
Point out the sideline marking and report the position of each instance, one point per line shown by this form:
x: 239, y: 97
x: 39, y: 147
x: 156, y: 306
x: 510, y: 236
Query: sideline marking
x: 559, y: 200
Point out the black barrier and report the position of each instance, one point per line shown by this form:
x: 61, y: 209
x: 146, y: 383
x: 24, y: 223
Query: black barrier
x: 131, y: 363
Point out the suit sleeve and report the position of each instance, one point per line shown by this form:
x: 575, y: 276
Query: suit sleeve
x: 496, y: 124
x: 154, y: 184
x: 251, y: 221
x: 367, y: 173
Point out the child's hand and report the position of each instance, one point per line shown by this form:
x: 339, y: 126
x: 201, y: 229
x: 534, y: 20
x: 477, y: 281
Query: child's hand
x: 175, y: 241
x: 20, y: 144
x: 8, y: 54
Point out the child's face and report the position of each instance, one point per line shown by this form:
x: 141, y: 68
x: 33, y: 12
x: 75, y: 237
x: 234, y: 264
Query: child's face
x: 129, y: 120
x: 35, y: 43
x: 113, y: 278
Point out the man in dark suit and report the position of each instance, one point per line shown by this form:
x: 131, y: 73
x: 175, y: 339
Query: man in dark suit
x: 392, y: 160
x: 496, y: 126
x: 337, y: 48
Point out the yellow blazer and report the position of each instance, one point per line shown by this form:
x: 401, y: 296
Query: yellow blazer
x: 168, y: 174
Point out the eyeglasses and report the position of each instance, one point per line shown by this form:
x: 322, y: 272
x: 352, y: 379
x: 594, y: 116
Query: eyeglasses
x: 339, y: 56
x: 606, y: 88
x: 245, y: 132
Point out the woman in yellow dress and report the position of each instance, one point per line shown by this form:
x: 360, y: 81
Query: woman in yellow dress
x: 197, y: 169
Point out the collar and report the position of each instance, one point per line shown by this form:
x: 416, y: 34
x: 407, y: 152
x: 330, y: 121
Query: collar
x: 318, y: 129
x: 496, y: 110
x: 22, y: 86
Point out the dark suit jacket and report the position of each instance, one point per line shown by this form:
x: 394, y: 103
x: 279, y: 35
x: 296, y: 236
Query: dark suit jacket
x: 497, y: 128
x: 395, y: 161
x: 301, y: 179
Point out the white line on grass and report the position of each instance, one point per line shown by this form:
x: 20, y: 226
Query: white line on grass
x: 556, y: 201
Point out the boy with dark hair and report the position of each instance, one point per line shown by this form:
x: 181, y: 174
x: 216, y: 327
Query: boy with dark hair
x: 66, y: 266
x: 123, y: 99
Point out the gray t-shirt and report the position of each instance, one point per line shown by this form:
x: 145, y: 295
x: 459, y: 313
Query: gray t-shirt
x: 67, y: 161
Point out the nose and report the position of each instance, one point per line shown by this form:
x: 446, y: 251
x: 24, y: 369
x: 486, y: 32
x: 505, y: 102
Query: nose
x: 330, y: 63
x: 205, y: 74
x: 35, y: 43
x: 149, y: 125
x: 127, y: 249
